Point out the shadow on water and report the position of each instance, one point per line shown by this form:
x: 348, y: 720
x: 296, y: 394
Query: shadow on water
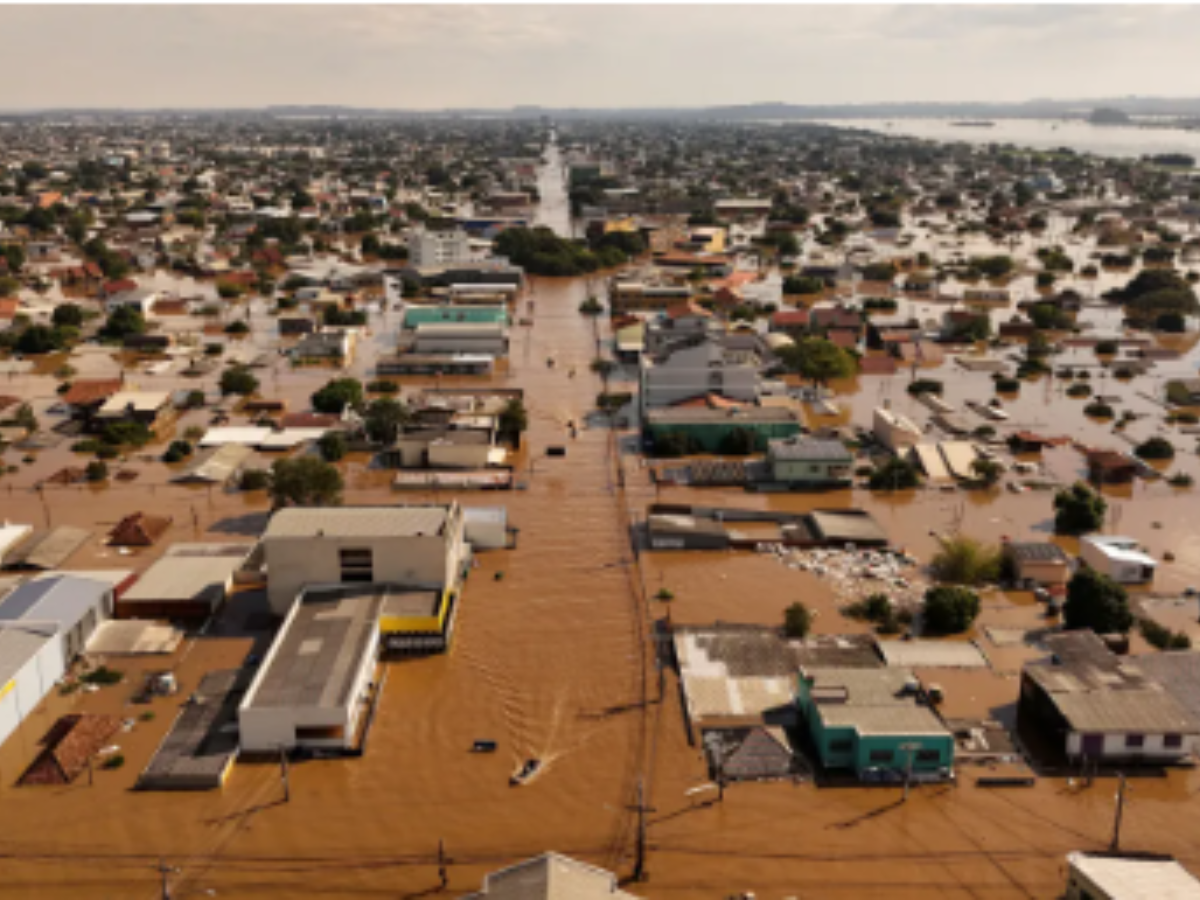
x: 249, y: 525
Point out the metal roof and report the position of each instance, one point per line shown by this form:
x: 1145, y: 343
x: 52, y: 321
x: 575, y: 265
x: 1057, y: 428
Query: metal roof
x: 219, y: 466
x: 797, y: 448
x: 185, y: 578
x: 1125, y: 878
x: 63, y: 599
x: 873, y: 701
x: 47, y: 549
x: 19, y: 643
x: 932, y: 654
x: 358, y: 522
x: 1042, y: 551
x: 551, y: 876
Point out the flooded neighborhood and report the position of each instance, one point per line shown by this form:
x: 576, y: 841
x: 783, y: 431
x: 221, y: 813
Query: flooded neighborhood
x: 567, y: 504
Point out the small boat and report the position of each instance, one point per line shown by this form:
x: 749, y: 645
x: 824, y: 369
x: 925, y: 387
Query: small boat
x: 525, y: 774
x: 483, y: 747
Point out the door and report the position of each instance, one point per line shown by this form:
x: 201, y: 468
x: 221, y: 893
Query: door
x: 1093, y: 746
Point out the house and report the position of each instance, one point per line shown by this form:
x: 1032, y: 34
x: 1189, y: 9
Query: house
x: 334, y: 344
x: 1120, y: 558
x: 679, y: 323
x: 290, y: 326
x: 550, y: 876
x: 138, y: 530
x: 221, y: 467
x: 1039, y: 562
x: 1093, y: 706
x: 712, y: 430
x: 189, y: 582
x: 68, y: 748
x: 310, y: 690
x: 151, y: 408
x: 416, y: 546
x: 698, y: 367
x: 627, y: 296
x: 1113, y: 876
x: 141, y: 299
x: 85, y: 396
x: 809, y: 462
x: 442, y: 448
x: 893, y: 430
x: 754, y: 753
x: 874, y: 723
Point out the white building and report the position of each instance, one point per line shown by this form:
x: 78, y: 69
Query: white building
x: 695, y: 370
x: 1120, y: 558
x: 140, y: 299
x: 415, y: 546
x: 311, y: 689
x: 481, y: 338
x: 1104, y: 876
x: 430, y: 248
x: 893, y: 430
x: 551, y: 876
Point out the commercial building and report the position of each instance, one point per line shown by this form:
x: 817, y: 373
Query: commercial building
x: 873, y: 722
x: 1112, y: 876
x: 414, y: 546
x: 190, y: 582
x: 551, y: 876
x: 698, y: 368
x: 894, y: 431
x: 1093, y: 706
x: 473, y: 314
x: 31, y: 663
x: 311, y: 689
x: 473, y: 338
x: 713, y: 430
x: 1120, y: 558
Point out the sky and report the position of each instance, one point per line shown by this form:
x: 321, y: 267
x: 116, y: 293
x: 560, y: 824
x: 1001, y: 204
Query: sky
x: 434, y: 57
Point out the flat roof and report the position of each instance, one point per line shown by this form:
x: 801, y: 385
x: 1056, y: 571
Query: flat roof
x: 873, y: 702
x: 405, y: 602
x: 849, y: 525
x: 932, y: 654
x: 47, y: 549
x: 736, y: 415
x: 358, y: 521
x: 1126, y: 878
x: 317, y: 654
x: 184, y: 578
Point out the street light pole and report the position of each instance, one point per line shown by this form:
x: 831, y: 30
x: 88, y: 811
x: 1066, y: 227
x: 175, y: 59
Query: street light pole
x: 910, y: 749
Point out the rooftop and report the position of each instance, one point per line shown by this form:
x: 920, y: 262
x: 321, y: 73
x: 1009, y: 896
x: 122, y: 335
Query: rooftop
x: 1132, y: 878
x: 317, y: 653
x: 872, y: 701
x: 1037, y: 551
x: 804, y: 448
x: 358, y: 522
x: 61, y: 599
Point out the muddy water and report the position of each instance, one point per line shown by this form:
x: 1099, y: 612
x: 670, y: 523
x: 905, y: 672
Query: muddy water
x: 548, y: 661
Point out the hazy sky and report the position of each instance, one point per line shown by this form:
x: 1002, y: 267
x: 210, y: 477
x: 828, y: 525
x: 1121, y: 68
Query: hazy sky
x: 451, y: 56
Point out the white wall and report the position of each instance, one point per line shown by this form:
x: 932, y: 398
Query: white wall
x: 27, y: 688
x: 1151, y: 749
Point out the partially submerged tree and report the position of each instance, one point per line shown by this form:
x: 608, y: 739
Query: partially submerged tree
x: 1078, y: 510
x: 1097, y: 602
x: 965, y: 560
x: 305, y: 481
x: 950, y: 610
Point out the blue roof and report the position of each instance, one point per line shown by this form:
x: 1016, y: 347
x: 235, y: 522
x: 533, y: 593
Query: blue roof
x: 64, y: 599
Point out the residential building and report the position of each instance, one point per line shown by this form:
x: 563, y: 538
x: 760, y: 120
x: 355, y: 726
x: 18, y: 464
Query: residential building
x: 311, y: 689
x: 551, y: 876
x: 1120, y: 558
x: 874, y: 723
x: 439, y: 247
x: 1039, y: 562
x: 141, y: 299
x: 1093, y: 706
x: 151, y: 408
x: 415, y: 546
x: 809, y: 462
x: 334, y: 344
x: 680, y: 323
x: 1114, y: 876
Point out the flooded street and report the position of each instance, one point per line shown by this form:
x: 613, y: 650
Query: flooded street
x: 551, y: 659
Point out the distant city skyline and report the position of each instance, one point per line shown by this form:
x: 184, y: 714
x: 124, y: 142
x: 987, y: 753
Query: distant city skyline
x: 469, y: 56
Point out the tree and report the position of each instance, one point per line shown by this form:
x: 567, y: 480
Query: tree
x: 238, y: 380
x: 237, y: 327
x: 338, y: 394
x: 68, y: 314
x: 383, y: 420
x: 895, y: 475
x: 305, y: 481
x: 986, y: 470
x: 1171, y: 322
x: 332, y: 445
x: 816, y: 359
x: 513, y: 420
x: 38, y: 339
x: 1078, y: 510
x: 97, y: 470
x: 797, y: 621
x: 25, y: 418
x: 1155, y: 448
x: 1097, y: 602
x: 122, y: 322
x: 950, y: 610
x: 964, y: 560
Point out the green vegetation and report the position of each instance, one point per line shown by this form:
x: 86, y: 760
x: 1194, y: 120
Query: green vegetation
x: 337, y: 394
x: 96, y: 471
x: 237, y: 327
x: 1163, y: 638
x: 1181, y: 480
x: 797, y: 621
x: 67, y: 314
x: 513, y: 420
x: 591, y: 307
x: 817, y: 360
x: 1155, y: 448
x: 878, y: 609
x: 127, y: 434
x: 382, y: 386
x: 179, y: 450
x: 305, y: 481
x: 383, y: 420
x: 986, y: 471
x: 965, y: 560
x: 541, y: 252
x: 1099, y: 410
x: 895, y: 475
x: 255, y: 480
x: 116, y: 761
x: 993, y: 267
x: 925, y: 386
x: 1078, y: 510
x: 332, y: 446
x: 1097, y: 602
x: 1079, y: 390
x: 238, y: 380
x: 123, y: 322
x: 802, y: 285
x: 949, y: 609
x: 102, y: 676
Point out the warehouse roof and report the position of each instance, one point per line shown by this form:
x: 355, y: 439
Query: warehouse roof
x: 846, y: 525
x: 47, y: 549
x: 1036, y: 551
x: 358, y: 521
x: 183, y: 575
x: 816, y: 449
x: 704, y: 415
x: 63, y: 599
x: 1179, y: 673
x: 317, y: 653
x: 219, y: 466
x: 19, y: 643
x: 551, y: 876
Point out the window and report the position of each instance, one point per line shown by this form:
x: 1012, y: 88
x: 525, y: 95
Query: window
x: 1135, y: 740
x: 881, y: 756
x: 357, y: 565
x: 841, y: 745
x: 928, y: 756
x: 1173, y: 741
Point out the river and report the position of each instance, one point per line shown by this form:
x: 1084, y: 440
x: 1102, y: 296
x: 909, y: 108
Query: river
x: 1042, y: 134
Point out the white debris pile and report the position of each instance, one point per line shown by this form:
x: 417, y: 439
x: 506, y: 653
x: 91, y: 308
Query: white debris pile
x: 857, y: 574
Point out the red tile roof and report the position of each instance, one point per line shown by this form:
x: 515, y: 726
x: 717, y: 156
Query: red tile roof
x: 68, y: 746
x: 138, y: 530
x: 843, y: 337
x: 877, y: 365
x: 9, y: 307
x: 86, y: 391
x: 790, y: 318
x: 690, y: 308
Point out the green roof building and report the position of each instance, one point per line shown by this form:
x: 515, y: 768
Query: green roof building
x: 441, y: 315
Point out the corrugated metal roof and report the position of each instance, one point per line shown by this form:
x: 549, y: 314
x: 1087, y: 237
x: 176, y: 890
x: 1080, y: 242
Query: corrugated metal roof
x: 184, y: 578
x: 932, y: 654
x: 1136, y: 879
x: 360, y: 521
x: 63, y: 599
x: 219, y: 466
x: 48, y: 549
x: 19, y: 643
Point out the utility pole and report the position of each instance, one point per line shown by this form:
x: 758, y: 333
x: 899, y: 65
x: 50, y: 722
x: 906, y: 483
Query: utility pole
x: 443, y: 874
x: 639, y: 862
x: 909, y: 749
x: 164, y: 870
x: 284, y: 775
x: 1116, y: 838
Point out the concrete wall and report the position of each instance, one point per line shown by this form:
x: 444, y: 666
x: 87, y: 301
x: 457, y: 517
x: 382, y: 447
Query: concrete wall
x: 294, y: 563
x: 806, y: 470
x: 1152, y: 750
x: 458, y: 456
x: 32, y: 682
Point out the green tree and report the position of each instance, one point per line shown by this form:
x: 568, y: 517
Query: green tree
x: 68, y: 314
x: 305, y: 481
x: 1078, y: 510
x: 816, y: 359
x: 238, y: 380
x: 25, y: 418
x: 1155, y: 448
x: 122, y: 322
x: 797, y: 621
x: 338, y: 394
x: 513, y: 420
x: 949, y: 609
x: 97, y: 470
x: 986, y: 470
x: 37, y: 339
x: 383, y: 420
x: 1097, y: 602
x: 964, y: 560
x: 332, y: 445
x: 895, y: 475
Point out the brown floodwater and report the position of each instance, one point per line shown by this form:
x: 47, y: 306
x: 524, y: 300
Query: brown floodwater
x: 551, y: 660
